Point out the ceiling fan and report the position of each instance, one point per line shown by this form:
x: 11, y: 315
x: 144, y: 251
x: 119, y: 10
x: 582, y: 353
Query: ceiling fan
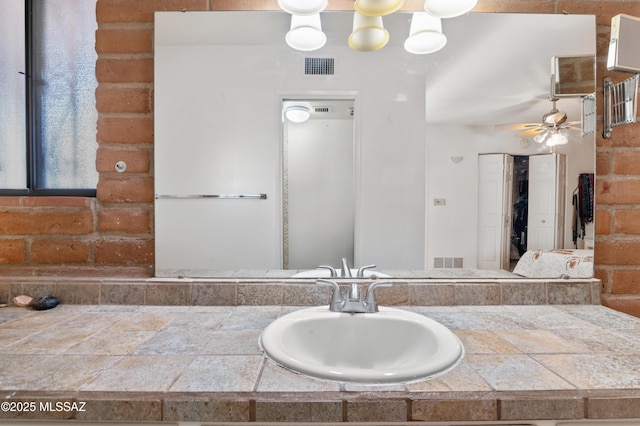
x: 551, y: 130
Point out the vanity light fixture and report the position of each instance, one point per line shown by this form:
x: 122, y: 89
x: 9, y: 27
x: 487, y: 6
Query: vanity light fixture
x: 306, y: 33
x: 425, y: 34
x: 368, y: 33
x: 448, y: 8
x: 297, y: 113
x: 303, y: 7
x: 377, y: 7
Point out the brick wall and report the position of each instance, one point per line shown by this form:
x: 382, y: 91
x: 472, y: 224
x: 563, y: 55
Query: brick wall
x: 113, y: 234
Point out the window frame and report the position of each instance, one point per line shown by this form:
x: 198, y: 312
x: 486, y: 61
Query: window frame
x: 33, y: 142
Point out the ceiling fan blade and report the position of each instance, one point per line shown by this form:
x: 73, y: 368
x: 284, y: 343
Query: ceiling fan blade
x: 515, y: 126
x: 531, y: 132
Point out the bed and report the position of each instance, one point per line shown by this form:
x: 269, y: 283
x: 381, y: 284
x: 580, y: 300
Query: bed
x: 558, y: 263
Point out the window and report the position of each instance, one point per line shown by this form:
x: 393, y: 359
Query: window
x: 47, y: 102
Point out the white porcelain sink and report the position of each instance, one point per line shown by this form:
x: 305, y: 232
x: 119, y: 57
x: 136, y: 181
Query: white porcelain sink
x: 390, y: 346
x: 325, y: 273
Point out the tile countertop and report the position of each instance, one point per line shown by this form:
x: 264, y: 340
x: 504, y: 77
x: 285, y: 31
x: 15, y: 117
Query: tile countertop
x: 189, y: 363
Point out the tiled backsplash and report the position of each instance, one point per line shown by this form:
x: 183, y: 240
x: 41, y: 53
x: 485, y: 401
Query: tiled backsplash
x: 203, y: 292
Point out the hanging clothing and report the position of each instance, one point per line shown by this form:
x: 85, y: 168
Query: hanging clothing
x: 582, y: 206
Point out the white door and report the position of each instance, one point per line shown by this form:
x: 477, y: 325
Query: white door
x: 546, y: 202
x: 495, y: 180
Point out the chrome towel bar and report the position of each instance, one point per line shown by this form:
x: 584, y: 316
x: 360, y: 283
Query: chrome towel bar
x: 231, y: 196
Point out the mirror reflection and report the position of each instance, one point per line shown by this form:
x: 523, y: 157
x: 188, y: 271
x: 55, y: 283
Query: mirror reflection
x: 429, y: 180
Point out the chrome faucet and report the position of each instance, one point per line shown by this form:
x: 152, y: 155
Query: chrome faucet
x: 345, y: 272
x: 353, y: 303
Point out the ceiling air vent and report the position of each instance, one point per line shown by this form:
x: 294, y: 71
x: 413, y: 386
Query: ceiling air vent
x: 319, y: 66
x: 322, y: 109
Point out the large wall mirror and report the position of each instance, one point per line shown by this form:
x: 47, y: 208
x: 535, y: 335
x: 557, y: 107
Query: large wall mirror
x: 394, y: 166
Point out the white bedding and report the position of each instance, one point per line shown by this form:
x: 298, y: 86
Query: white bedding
x: 559, y: 263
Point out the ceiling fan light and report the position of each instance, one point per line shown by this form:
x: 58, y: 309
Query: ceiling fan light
x: 297, y: 113
x: 425, y: 34
x: 306, y: 33
x: 303, y: 7
x: 448, y: 8
x: 368, y: 33
x: 377, y: 7
x: 557, y: 138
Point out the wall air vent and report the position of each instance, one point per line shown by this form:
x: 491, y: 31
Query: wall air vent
x: 319, y: 66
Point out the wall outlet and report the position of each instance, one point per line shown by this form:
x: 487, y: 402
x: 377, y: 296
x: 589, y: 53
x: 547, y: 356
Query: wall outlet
x: 439, y: 201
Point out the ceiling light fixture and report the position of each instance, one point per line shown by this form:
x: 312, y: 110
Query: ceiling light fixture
x: 306, y: 33
x: 303, y: 7
x: 425, y: 34
x: 297, y: 113
x: 368, y: 33
x: 448, y: 8
x: 377, y: 7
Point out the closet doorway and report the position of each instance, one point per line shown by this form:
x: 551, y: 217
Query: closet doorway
x: 521, y: 206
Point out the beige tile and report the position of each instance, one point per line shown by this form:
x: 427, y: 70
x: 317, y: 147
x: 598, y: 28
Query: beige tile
x: 122, y: 294
x: 613, y: 408
x: 220, y: 373
x: 432, y: 294
x: 142, y: 321
x: 110, y: 342
x: 277, y: 379
x: 484, y: 342
x: 477, y: 294
x: 217, y: 294
x: 168, y: 294
x: 455, y: 410
x: 548, y: 408
x: 540, y: 341
x: 260, y: 294
x: 47, y: 342
x: 461, y: 379
x: 243, y: 342
x: 299, y: 411
x: 122, y: 410
x: 38, y: 320
x: 378, y: 410
x: 143, y: 373
x: 515, y: 372
x: 78, y: 293
x: 596, y: 371
x: 50, y: 372
x: 205, y: 410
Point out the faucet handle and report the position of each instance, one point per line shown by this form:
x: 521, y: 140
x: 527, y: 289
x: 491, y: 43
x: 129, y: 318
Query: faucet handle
x: 364, y: 268
x: 331, y: 269
x: 336, y: 299
x: 370, y: 298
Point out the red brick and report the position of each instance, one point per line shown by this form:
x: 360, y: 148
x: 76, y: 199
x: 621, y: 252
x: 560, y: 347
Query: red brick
x: 626, y: 221
x: 627, y: 304
x: 59, y: 251
x: 626, y: 162
x: 46, y: 221
x: 126, y: 190
x: 123, y: 100
x: 57, y: 201
x: 12, y: 252
x: 602, y: 222
x: 124, y: 40
x: 125, y: 130
x: 617, y: 252
x: 124, y: 220
x: 124, y: 70
x: 137, y: 161
x: 603, y: 166
x: 625, y: 282
x: 124, y: 252
x: 618, y: 191
x: 109, y: 11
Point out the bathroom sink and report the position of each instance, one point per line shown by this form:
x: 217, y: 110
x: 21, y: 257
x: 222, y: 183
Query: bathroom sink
x: 325, y: 273
x: 389, y: 346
